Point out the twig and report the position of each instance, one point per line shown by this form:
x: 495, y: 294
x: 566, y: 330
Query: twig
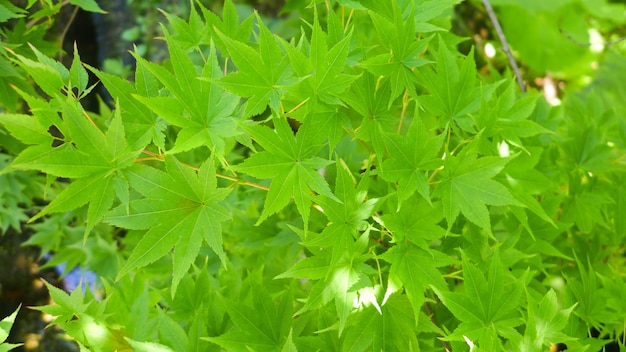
x: 579, y: 43
x: 505, y: 45
x: 429, y: 311
x: 66, y: 28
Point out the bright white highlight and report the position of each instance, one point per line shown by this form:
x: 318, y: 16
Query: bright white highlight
x: 490, y: 50
x: 469, y: 343
x: 365, y: 297
x: 503, y: 149
x: 596, y: 41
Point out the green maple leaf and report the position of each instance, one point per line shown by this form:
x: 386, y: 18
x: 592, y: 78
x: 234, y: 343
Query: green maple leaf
x: 369, y: 99
x: 507, y: 118
x: 417, y: 221
x: 347, y: 218
x: 410, y: 158
x: 393, y: 330
x: 488, y: 307
x: 229, y: 24
x: 261, y: 326
x: 93, y: 158
x: 415, y: 269
x: 453, y: 90
x: 262, y: 76
x: 546, y: 322
x: 324, y: 67
x: 203, y: 110
x: 402, y: 51
x: 467, y: 187
x: 189, y: 33
x: 291, y: 162
x: 142, y: 125
x: 180, y: 209
x: 5, y: 328
x: 337, y: 280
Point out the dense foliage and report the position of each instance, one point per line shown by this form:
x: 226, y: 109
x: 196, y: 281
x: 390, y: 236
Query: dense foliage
x: 361, y: 185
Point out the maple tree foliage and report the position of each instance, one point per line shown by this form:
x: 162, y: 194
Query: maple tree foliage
x: 359, y: 184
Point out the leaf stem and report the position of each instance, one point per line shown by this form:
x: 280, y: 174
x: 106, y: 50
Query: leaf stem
x: 405, y: 105
x: 242, y: 182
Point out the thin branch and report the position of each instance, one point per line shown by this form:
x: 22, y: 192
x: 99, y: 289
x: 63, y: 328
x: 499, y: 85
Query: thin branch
x: 430, y: 312
x: 66, y: 28
x: 505, y: 45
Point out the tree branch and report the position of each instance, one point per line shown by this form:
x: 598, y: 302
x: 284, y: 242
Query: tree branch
x: 505, y: 45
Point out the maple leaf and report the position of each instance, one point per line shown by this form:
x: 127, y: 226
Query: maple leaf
x: 347, y: 218
x: 417, y: 221
x: 262, y: 325
x: 467, y: 187
x: 546, y: 322
x: 416, y: 268
x: 402, y: 51
x: 291, y: 162
x: 324, y: 66
x: 141, y: 125
x: 453, y: 90
x: 262, y: 76
x: 393, y: 330
x: 488, y: 306
x: 94, y: 159
x: 180, y: 209
x: 506, y: 118
x: 410, y: 158
x: 203, y: 110
x: 369, y: 99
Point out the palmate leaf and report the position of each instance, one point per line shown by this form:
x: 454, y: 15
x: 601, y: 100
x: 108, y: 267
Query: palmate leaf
x: 291, y: 161
x: 260, y: 326
x: 402, y: 51
x: 545, y: 322
x: 370, y: 100
x: 96, y: 159
x: 141, y: 125
x: 393, y: 330
x: 467, y: 187
x: 453, y: 90
x: 181, y: 210
x: 416, y: 268
x: 262, y: 76
x: 346, y: 219
x: 5, y: 327
x: 203, y: 110
x: 506, y: 118
x: 489, y: 306
x: 325, y: 67
x: 410, y: 158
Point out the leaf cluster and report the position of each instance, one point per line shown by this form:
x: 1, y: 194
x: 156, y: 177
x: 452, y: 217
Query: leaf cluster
x: 360, y: 185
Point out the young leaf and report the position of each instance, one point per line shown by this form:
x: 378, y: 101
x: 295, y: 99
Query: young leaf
x: 393, y: 330
x: 546, y: 321
x: 453, y: 90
